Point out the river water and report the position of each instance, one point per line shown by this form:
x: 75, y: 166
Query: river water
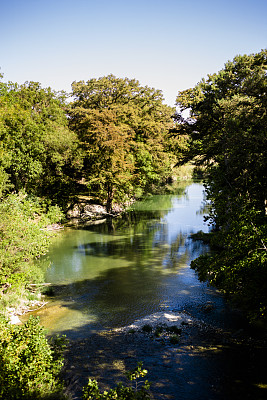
x: 110, y: 274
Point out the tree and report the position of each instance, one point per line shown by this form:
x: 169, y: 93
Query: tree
x: 106, y: 146
x: 37, y: 149
x: 227, y: 133
x: 227, y: 125
x: 124, y: 129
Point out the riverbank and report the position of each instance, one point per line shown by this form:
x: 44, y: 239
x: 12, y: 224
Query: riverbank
x: 194, y: 367
x: 87, y: 213
x: 107, y: 277
x: 83, y: 214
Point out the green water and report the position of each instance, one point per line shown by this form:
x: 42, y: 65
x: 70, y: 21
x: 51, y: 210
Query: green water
x: 111, y: 274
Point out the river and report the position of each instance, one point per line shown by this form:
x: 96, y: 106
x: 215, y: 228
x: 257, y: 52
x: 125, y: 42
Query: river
x: 111, y: 274
x: 108, y: 275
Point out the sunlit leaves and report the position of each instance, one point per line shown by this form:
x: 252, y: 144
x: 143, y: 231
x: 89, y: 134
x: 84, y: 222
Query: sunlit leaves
x: 23, y: 238
x: 29, y: 364
x: 36, y: 145
x: 123, y: 129
x: 228, y: 134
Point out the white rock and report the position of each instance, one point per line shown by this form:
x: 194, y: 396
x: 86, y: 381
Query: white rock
x: 14, y: 320
x: 160, y: 318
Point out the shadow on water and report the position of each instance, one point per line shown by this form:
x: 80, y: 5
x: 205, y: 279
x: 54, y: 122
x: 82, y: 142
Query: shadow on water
x: 212, y: 361
x: 208, y: 363
x: 110, y: 275
x: 209, y: 369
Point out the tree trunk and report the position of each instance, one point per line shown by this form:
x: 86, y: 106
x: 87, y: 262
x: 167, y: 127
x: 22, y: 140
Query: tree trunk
x: 110, y: 194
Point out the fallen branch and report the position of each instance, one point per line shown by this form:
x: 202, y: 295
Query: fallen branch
x: 39, y: 284
x: 36, y: 309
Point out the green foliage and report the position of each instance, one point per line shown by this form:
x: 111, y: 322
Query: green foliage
x: 240, y: 267
x: 165, y: 332
x: 137, y: 391
x: 227, y: 134
x: 174, y: 339
x: 29, y: 364
x: 158, y: 331
x: 23, y: 238
x: 123, y: 130
x: 174, y: 329
x: 37, y: 150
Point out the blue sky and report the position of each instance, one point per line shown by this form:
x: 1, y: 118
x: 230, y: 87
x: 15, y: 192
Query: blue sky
x: 166, y: 44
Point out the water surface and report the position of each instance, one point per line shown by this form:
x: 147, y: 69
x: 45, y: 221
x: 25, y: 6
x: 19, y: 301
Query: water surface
x: 111, y: 274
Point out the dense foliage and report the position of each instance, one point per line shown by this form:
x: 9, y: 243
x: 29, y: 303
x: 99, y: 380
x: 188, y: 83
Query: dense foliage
x: 227, y: 133
x: 37, y: 149
x: 123, y: 129
x: 29, y: 364
x: 23, y: 238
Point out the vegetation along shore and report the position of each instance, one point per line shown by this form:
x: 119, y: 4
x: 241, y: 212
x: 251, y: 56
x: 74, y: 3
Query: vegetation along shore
x: 88, y: 155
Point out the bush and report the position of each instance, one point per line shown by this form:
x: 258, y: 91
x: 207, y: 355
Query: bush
x: 174, y: 329
x: 174, y: 339
x: 135, y: 392
x: 29, y: 364
x: 23, y: 239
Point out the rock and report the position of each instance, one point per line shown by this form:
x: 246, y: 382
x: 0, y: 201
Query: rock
x: 85, y: 211
x: 74, y: 211
x: 94, y: 209
x: 161, y: 318
x: 208, y: 307
x: 14, y: 320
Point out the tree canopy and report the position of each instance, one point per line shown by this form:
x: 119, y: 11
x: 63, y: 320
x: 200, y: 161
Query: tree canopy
x: 36, y: 147
x: 124, y: 132
x: 227, y: 133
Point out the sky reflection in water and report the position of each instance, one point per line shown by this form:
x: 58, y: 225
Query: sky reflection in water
x: 108, y: 275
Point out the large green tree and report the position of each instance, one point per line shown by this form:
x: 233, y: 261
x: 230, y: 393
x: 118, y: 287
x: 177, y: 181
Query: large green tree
x: 124, y: 131
x: 37, y: 148
x: 227, y: 133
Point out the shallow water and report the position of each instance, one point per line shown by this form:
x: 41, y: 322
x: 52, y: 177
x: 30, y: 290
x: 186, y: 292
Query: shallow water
x: 111, y: 274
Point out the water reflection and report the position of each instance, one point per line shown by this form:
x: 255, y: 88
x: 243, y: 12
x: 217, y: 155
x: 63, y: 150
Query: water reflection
x: 110, y: 274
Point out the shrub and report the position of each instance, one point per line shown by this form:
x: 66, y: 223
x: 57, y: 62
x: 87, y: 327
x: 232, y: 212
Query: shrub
x: 23, y: 239
x: 121, y: 392
x: 174, y: 329
x: 29, y: 364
